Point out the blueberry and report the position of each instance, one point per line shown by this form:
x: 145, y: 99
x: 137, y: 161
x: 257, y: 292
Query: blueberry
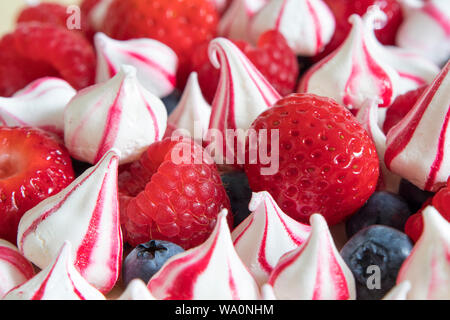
x: 146, y: 259
x: 239, y: 192
x: 375, y: 255
x: 383, y: 208
x: 171, y: 101
x: 413, y: 195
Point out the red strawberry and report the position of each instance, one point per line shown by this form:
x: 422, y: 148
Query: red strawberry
x: 181, y: 24
x: 273, y: 57
x: 33, y: 166
x: 401, y: 106
x: 167, y: 200
x: 327, y: 162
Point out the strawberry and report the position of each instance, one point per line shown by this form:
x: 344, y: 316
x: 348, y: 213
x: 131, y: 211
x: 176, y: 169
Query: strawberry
x: 180, y: 24
x: 164, y: 199
x: 327, y: 162
x: 33, y: 166
x: 273, y: 57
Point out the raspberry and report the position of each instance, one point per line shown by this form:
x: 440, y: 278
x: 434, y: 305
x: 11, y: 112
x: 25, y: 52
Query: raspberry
x: 165, y: 200
x: 33, y: 166
x: 180, y: 24
x: 327, y: 162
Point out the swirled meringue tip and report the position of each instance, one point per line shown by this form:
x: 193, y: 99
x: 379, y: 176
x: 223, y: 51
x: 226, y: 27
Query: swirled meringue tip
x: 40, y: 104
x: 428, y: 266
x: 265, y: 235
x: 192, y: 112
x: 426, y: 29
x: 136, y: 290
x: 267, y: 292
x: 60, y: 280
x: 399, y: 292
x: 85, y: 213
x: 119, y: 113
x: 315, y: 270
x: 155, y: 62
x: 212, y: 270
x: 307, y: 25
x: 14, y: 267
x: 418, y: 148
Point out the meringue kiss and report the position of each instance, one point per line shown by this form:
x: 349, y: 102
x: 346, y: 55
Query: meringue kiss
x: 212, y: 270
x: 155, y: 62
x: 399, y: 292
x: 265, y: 235
x: 119, y: 113
x: 136, y: 290
x: 58, y: 281
x: 315, y: 270
x: 85, y: 213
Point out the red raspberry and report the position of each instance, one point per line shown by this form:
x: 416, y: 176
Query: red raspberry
x: 273, y: 57
x: 171, y: 201
x: 401, y: 106
x: 46, y: 47
x: 440, y: 201
x: 327, y: 162
x: 33, y: 166
x: 180, y: 24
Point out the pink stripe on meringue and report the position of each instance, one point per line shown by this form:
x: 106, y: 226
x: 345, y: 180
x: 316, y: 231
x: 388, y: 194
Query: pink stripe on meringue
x: 317, y: 26
x: 15, y: 259
x: 437, y: 16
x: 280, y: 15
x: 158, y: 133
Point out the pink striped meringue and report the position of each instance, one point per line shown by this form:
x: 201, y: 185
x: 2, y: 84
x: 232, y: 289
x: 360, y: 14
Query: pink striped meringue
x: 418, y: 147
x: 219, y: 4
x: 243, y: 92
x: 156, y: 63
x: 426, y: 29
x: 428, y: 266
x: 307, y: 25
x: 119, y: 113
x: 40, y: 104
x: 315, y: 270
x: 235, y: 23
x: 14, y: 268
x: 58, y: 281
x: 267, y: 292
x: 192, y: 113
x: 212, y: 270
x: 362, y: 68
x: 85, y: 213
x: 265, y: 235
x: 399, y: 292
x: 136, y: 290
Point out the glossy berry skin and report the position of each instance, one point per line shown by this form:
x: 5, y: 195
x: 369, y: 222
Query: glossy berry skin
x: 382, y: 208
x: 171, y: 200
x: 327, y: 162
x: 379, y: 246
x: 33, y: 166
x: 144, y: 261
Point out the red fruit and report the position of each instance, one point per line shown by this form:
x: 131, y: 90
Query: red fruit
x: 33, y: 166
x: 181, y: 24
x: 171, y: 201
x: 327, y: 162
x: 401, y: 106
x: 45, y: 50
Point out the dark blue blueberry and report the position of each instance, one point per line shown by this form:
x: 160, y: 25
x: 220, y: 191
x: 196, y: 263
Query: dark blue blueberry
x: 375, y: 255
x: 413, y: 195
x: 146, y: 259
x: 239, y: 192
x: 171, y: 101
x: 383, y: 208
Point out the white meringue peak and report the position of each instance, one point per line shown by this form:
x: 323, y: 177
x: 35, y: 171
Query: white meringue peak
x: 136, y: 290
x: 418, y: 147
x: 85, y: 213
x: 192, y: 112
x: 362, y: 68
x: 267, y: 292
x: 265, y: 235
x: 315, y: 270
x: 428, y: 266
x: 307, y: 25
x: 40, y: 104
x: 399, y: 292
x: 14, y: 268
x: 156, y: 63
x: 212, y: 270
x: 426, y: 29
x: 119, y: 113
x: 58, y: 281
